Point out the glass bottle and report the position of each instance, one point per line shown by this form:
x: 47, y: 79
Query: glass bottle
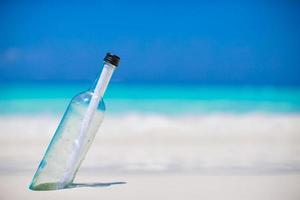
x: 74, y: 134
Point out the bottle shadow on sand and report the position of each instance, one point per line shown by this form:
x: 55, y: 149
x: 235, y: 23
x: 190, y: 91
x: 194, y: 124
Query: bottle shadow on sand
x: 94, y: 185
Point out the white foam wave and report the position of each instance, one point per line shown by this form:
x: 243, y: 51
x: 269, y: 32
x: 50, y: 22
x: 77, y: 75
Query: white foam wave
x: 158, y: 143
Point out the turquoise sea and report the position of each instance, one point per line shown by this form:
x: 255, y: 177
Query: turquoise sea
x: 53, y: 97
x: 162, y: 128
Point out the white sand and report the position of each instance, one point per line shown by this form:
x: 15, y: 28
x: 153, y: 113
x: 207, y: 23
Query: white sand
x: 218, y: 156
x: 164, y: 187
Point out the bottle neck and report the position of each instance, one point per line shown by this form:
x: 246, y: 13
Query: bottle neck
x: 102, y: 81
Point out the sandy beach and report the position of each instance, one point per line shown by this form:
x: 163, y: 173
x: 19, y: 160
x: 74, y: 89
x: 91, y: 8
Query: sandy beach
x: 167, y: 186
x: 201, y: 100
x: 252, y: 156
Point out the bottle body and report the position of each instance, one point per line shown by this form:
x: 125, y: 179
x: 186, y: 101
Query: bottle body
x: 74, y: 134
x: 54, y: 171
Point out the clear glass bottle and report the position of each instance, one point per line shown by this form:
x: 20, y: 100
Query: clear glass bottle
x: 74, y: 134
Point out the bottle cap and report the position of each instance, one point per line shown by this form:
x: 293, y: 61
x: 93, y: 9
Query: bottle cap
x: 112, y: 59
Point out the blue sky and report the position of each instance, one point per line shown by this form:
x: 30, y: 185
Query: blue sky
x: 170, y: 42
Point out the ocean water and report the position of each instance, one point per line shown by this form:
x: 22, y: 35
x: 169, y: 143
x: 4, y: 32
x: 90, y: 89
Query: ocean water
x: 161, y: 128
x: 154, y: 99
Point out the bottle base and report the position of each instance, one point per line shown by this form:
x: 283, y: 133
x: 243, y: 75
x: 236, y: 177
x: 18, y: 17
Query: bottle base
x: 48, y: 186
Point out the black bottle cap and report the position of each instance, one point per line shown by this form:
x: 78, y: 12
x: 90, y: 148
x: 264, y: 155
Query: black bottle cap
x: 112, y: 59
